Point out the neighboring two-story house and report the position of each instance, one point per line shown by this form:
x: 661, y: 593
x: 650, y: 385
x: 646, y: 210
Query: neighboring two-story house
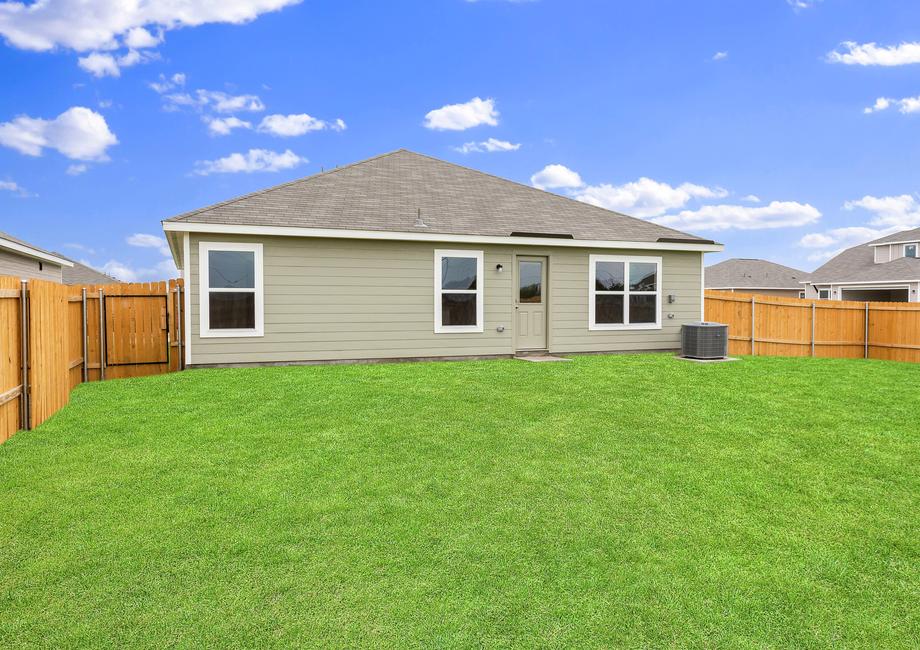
x: 884, y: 270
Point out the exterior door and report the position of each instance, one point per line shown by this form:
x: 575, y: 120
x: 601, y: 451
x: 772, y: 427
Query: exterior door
x: 530, y: 303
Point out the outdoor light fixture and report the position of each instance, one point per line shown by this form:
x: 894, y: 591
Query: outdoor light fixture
x: 499, y: 268
x: 671, y: 298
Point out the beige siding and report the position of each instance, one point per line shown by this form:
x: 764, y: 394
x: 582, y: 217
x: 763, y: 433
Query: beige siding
x: 22, y: 266
x: 328, y: 299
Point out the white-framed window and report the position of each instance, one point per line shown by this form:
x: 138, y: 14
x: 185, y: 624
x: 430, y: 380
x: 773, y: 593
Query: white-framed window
x: 458, y: 291
x: 824, y: 294
x: 910, y: 250
x: 624, y: 292
x: 230, y: 289
x: 801, y: 294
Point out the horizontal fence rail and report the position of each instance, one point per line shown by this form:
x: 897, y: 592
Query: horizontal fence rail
x: 55, y: 337
x: 792, y: 327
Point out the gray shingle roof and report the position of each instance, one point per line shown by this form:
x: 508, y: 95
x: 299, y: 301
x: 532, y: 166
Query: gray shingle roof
x: 749, y: 273
x: 82, y: 274
x: 385, y: 193
x: 857, y: 264
x: 904, y: 235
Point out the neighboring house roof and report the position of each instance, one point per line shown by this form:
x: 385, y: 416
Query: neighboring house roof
x: 391, y: 192
x: 753, y: 274
x: 906, y: 236
x: 83, y: 274
x: 9, y: 242
x: 857, y: 264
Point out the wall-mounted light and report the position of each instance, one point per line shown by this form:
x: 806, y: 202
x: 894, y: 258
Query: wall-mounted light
x: 671, y: 298
x: 499, y: 268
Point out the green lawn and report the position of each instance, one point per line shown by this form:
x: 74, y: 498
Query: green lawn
x: 610, y: 501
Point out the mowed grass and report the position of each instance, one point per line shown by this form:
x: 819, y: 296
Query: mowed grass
x: 637, y: 501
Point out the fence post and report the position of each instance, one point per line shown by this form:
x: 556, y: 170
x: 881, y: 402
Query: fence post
x: 753, y: 329
x: 866, y: 351
x: 168, y: 330
x: 101, y: 335
x: 179, y: 334
x: 85, y: 345
x: 812, y: 328
x: 24, y: 338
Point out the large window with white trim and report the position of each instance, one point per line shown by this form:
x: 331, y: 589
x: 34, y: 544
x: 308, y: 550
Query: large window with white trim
x: 910, y: 250
x: 230, y: 288
x: 458, y: 289
x: 624, y: 292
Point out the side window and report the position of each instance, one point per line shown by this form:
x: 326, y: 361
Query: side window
x: 458, y: 289
x: 231, y: 300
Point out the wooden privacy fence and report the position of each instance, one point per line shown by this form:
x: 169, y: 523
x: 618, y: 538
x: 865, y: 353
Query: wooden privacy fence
x: 54, y: 336
x: 775, y: 326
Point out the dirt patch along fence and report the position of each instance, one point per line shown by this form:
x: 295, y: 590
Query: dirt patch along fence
x: 54, y: 337
x: 775, y: 326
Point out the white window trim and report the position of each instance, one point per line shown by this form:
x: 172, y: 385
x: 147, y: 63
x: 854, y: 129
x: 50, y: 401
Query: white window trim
x: 829, y: 294
x: 592, y: 292
x: 204, y: 290
x: 916, y: 248
x: 438, y: 291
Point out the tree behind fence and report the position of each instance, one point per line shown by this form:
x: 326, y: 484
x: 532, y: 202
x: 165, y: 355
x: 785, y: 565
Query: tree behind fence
x: 775, y: 326
x: 141, y: 323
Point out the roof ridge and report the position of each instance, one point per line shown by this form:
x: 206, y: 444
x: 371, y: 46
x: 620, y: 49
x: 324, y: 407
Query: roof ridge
x: 302, y: 179
x: 554, y: 194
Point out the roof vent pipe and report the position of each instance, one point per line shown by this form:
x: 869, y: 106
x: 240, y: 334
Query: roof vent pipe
x: 418, y: 220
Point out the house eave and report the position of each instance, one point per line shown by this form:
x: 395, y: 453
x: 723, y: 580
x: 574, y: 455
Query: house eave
x: 34, y: 253
x: 386, y: 235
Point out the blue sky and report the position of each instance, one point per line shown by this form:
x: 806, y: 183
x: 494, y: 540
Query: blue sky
x: 786, y: 129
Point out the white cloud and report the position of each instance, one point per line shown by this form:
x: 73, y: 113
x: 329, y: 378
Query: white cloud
x: 898, y: 212
x: 14, y: 187
x: 556, y: 177
x: 106, y: 65
x: 871, y: 54
x: 219, y: 102
x: 719, y: 56
x: 646, y: 197
x: 143, y: 240
x: 837, y: 240
x: 223, y: 126
x: 905, y: 105
x: 255, y: 160
x: 778, y: 214
x: 84, y: 25
x: 138, y: 38
x: 76, y: 169
x: 800, y: 5
x: 459, y: 117
x: 751, y: 198
x: 79, y: 133
x: 165, y: 84
x: 293, y: 125
x: 127, y: 273
x: 80, y: 247
x: 491, y: 145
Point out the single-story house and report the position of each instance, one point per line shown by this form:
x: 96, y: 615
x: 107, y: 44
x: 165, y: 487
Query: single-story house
x: 884, y: 270
x: 756, y: 276
x: 407, y: 256
x: 21, y: 259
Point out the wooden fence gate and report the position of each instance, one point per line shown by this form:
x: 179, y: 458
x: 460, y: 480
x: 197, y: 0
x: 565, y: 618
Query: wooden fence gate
x: 55, y: 337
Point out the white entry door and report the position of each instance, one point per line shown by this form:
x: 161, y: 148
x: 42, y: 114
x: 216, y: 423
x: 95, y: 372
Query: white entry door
x: 530, y: 303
